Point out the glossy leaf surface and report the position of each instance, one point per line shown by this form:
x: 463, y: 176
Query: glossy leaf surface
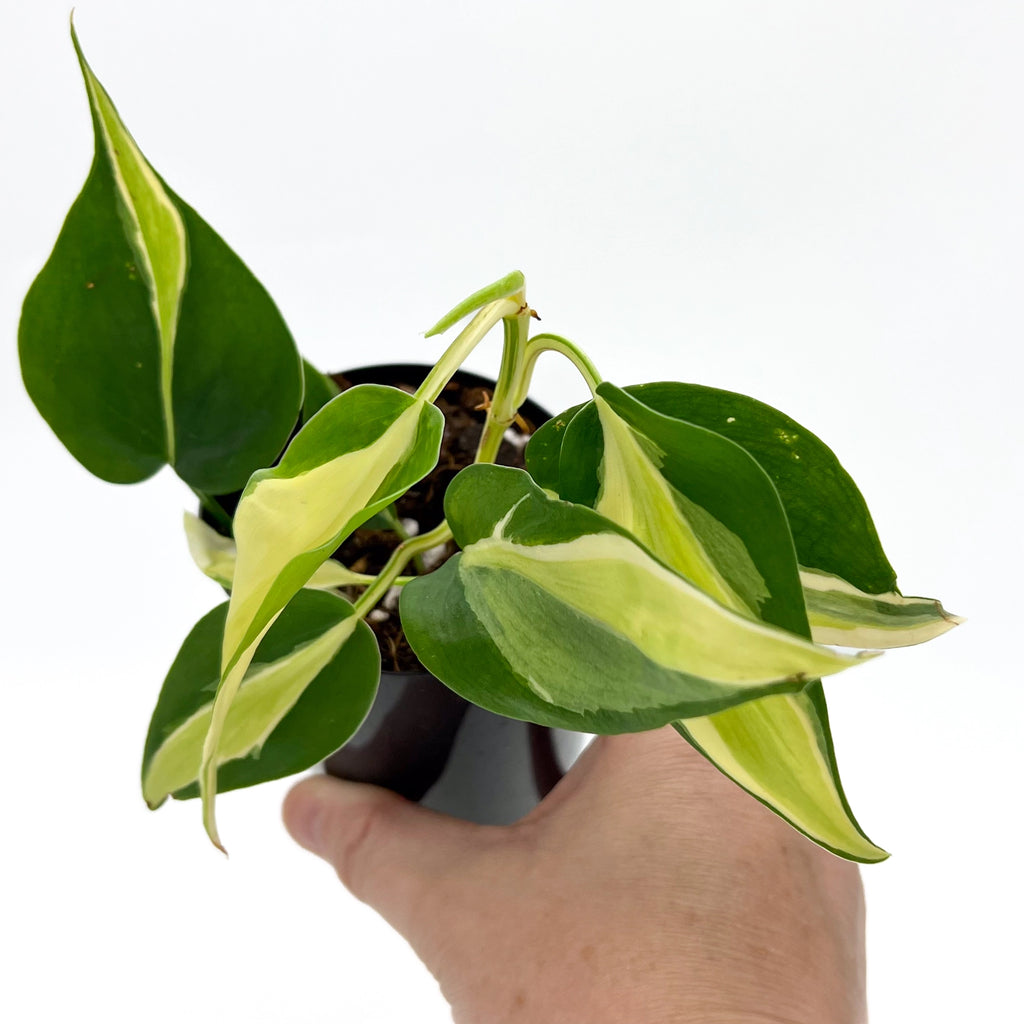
x: 830, y: 523
x: 553, y: 614
x: 829, y: 519
x: 144, y: 340
x: 780, y: 750
x: 353, y: 458
x: 215, y: 556
x: 842, y: 615
x: 673, y: 485
x: 700, y: 502
x: 310, y: 686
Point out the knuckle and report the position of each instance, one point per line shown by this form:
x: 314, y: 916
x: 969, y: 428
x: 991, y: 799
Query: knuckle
x: 354, y: 846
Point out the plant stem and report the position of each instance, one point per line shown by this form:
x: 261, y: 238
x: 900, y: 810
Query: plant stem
x: 556, y: 343
x: 397, y: 562
x: 505, y: 402
x: 391, y: 515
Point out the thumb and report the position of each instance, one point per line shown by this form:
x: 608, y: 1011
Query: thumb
x: 396, y: 856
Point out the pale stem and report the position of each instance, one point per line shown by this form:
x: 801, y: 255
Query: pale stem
x: 556, y: 343
x: 505, y: 402
x: 400, y: 557
x: 391, y: 515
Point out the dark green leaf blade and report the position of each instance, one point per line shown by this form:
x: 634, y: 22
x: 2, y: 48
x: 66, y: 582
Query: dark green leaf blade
x: 718, y: 480
x: 238, y: 379
x: 318, y: 390
x: 145, y: 340
x: 88, y: 343
x: 331, y: 706
x: 544, y: 449
x: 693, y: 485
x: 831, y: 525
x: 554, y: 614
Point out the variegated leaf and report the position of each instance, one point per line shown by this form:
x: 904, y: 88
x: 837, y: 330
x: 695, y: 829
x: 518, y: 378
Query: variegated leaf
x: 841, y: 614
x: 829, y: 519
x: 649, y: 470
x: 553, y: 614
x: 215, y: 556
x: 309, y: 688
x: 354, y: 457
x: 779, y: 749
x: 144, y: 340
x: 698, y: 501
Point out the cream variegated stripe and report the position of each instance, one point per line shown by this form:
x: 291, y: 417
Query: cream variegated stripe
x: 635, y: 495
x: 270, y: 536
x: 771, y: 747
x: 285, y: 517
x: 841, y: 614
x: 212, y: 552
x: 265, y: 696
x: 155, y: 229
x: 611, y: 581
x: 215, y: 556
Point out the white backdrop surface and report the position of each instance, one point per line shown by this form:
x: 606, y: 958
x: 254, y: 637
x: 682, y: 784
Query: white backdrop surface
x: 817, y: 204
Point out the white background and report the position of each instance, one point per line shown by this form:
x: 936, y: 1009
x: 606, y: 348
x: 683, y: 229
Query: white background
x: 818, y: 204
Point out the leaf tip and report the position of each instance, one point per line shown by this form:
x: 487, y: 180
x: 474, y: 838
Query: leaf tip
x: 210, y: 823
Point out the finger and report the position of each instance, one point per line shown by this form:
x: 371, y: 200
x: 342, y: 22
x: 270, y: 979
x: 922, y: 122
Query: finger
x: 396, y: 856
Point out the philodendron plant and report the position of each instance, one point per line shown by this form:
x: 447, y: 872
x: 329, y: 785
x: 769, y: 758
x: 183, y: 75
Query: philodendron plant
x: 672, y: 555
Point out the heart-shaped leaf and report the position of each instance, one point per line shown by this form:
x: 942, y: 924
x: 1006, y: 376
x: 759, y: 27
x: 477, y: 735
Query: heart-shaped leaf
x: 309, y: 688
x: 683, y: 492
x: 353, y: 458
x: 553, y: 614
x: 145, y: 340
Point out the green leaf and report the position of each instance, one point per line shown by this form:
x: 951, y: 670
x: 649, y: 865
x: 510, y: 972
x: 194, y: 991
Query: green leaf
x: 779, y: 749
x: 842, y: 615
x: 700, y: 502
x: 715, y: 517
x: 215, y: 555
x: 312, y: 683
x: 352, y: 459
x: 566, y: 620
x: 318, y: 391
x: 831, y: 527
x: 144, y: 340
x: 829, y: 519
x: 544, y: 449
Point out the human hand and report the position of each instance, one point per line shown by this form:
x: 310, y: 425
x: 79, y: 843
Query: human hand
x: 646, y: 888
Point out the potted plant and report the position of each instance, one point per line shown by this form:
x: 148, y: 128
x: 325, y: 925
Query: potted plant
x: 669, y: 554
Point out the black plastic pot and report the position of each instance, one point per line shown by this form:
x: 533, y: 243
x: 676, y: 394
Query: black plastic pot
x: 424, y: 741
